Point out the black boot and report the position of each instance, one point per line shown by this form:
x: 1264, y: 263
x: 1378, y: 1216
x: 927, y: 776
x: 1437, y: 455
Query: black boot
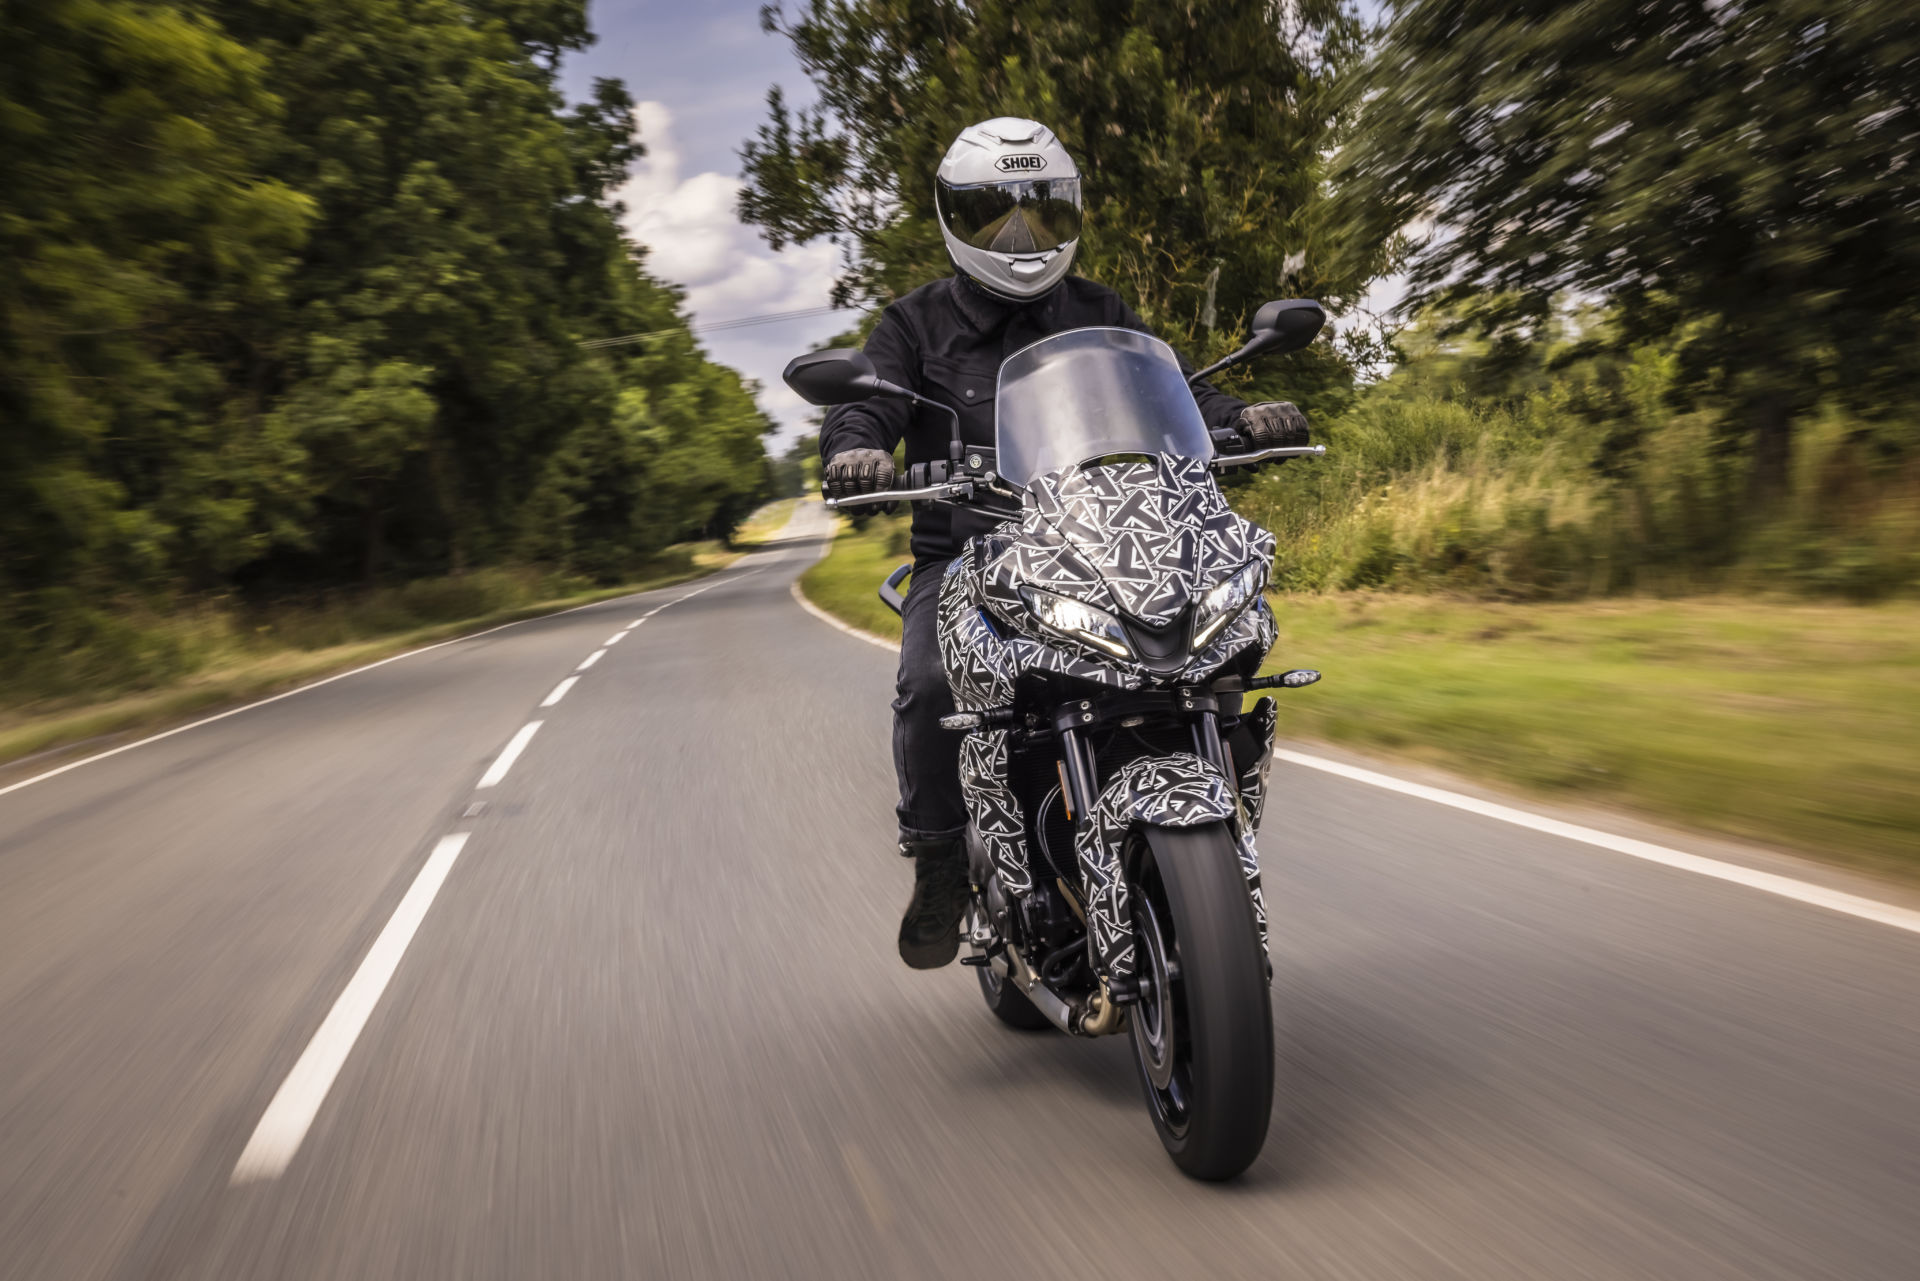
x: 930, y: 929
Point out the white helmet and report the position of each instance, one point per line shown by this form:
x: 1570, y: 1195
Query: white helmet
x: 1008, y: 195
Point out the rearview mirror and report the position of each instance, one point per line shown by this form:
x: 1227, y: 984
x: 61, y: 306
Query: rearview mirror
x: 1287, y: 325
x: 837, y: 376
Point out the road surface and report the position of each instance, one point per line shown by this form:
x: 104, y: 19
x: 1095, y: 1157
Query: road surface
x: 646, y: 1021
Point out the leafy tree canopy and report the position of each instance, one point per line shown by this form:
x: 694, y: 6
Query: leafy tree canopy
x: 292, y: 291
x: 1200, y: 129
x: 1748, y: 169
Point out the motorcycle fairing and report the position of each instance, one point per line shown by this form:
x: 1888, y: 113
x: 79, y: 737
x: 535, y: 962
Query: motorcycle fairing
x: 1179, y: 790
x: 1156, y: 535
x: 982, y: 667
x: 995, y: 810
x: 984, y: 663
x: 1259, y: 723
x: 1139, y: 539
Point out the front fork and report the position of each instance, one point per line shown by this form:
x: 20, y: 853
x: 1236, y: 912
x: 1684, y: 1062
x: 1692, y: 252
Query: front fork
x: 1079, y: 775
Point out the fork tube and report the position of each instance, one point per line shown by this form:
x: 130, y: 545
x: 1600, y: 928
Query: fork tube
x: 1206, y: 741
x: 1078, y: 763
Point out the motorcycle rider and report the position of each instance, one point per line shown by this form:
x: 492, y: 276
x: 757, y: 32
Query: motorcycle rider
x: 1008, y: 197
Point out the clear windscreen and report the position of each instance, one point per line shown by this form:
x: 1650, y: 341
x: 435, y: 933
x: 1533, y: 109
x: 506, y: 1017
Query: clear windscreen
x: 1087, y: 393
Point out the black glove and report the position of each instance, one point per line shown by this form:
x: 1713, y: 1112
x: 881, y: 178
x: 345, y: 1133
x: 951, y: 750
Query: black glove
x: 1272, y: 424
x: 857, y: 471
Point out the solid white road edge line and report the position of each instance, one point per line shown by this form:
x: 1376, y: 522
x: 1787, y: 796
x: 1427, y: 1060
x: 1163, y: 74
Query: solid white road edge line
x: 340, y: 676
x: 1866, y: 909
x: 509, y: 754
x: 284, y: 1124
x: 1767, y: 882
x: 590, y: 660
x: 559, y: 692
x: 821, y: 614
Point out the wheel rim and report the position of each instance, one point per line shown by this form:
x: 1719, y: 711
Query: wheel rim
x: 1159, y: 1018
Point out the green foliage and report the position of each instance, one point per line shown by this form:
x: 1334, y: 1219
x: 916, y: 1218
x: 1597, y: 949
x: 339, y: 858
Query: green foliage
x: 140, y: 247
x: 291, y: 294
x: 1741, y: 179
x: 1200, y: 129
x: 1471, y: 470
x: 797, y: 471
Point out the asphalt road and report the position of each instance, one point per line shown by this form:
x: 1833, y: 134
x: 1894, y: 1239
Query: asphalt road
x: 651, y: 1025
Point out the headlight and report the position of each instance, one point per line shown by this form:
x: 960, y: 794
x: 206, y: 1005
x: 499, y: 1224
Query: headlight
x: 1078, y: 621
x: 1223, y: 603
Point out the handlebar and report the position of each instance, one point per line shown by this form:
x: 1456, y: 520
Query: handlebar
x: 951, y: 489
x: 965, y: 488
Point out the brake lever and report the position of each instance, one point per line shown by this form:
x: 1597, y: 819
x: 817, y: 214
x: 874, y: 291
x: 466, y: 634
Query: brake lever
x: 949, y: 489
x: 1224, y: 461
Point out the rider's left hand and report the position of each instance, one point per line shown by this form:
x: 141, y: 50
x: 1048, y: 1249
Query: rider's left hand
x: 1272, y: 424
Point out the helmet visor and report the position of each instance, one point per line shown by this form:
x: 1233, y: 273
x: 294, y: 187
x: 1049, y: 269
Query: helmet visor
x: 1031, y: 216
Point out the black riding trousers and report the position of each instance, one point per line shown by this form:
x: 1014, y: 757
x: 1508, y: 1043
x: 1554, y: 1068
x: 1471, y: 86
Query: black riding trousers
x: 926, y: 758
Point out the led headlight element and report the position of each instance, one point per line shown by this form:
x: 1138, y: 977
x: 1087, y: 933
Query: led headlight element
x: 1079, y: 621
x: 1224, y: 601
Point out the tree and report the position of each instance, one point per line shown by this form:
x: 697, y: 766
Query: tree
x: 271, y: 339
x: 1749, y: 169
x: 1200, y: 129
x: 139, y: 250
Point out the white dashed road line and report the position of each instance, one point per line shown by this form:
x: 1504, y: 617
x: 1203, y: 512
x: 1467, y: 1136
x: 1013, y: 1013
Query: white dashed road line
x: 285, y: 1123
x: 288, y: 1117
x: 509, y: 754
x: 615, y: 639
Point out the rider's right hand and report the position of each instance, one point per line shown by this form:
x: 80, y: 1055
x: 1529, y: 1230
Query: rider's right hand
x: 857, y: 471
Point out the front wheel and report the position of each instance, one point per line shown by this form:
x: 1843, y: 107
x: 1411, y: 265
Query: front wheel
x: 1203, y: 1028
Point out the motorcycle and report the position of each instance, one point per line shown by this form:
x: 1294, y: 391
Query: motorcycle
x: 1100, y: 643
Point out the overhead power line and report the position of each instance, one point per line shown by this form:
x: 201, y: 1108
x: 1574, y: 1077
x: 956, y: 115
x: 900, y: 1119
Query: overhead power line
x: 741, y: 322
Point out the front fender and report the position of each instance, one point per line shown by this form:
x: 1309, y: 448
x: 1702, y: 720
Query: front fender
x: 1180, y: 790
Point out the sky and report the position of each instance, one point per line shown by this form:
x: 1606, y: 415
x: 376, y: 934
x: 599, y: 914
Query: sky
x: 700, y: 73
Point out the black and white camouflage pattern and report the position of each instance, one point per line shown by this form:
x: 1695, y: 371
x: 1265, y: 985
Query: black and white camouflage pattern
x: 995, y: 810
x: 1180, y: 790
x: 1143, y: 539
x: 1253, y: 774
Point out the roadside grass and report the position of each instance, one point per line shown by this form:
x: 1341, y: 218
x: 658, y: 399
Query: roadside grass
x: 847, y: 582
x: 222, y: 656
x: 1788, y: 723
x: 764, y: 523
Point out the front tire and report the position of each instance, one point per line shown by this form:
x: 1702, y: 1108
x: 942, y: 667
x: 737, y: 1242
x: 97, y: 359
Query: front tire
x: 1203, y: 1028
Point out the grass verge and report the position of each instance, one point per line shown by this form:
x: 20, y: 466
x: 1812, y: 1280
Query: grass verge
x: 765, y: 523
x: 1788, y: 723
x: 304, y: 644
x: 846, y: 583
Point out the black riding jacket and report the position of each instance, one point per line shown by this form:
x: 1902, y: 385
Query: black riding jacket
x: 946, y: 341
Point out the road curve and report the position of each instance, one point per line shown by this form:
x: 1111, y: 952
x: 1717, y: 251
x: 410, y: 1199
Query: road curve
x: 651, y: 1023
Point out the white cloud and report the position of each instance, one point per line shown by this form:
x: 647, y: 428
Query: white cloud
x: 695, y: 240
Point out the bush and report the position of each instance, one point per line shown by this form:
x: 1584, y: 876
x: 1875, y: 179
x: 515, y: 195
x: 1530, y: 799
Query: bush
x: 1594, y: 484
